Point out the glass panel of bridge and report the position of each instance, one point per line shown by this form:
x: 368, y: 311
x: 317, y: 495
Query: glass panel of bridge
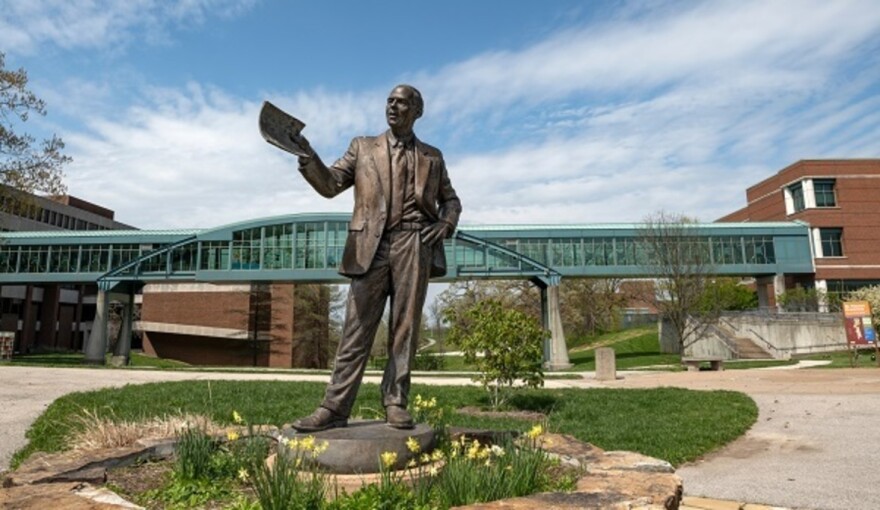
x: 769, y: 250
x: 727, y: 250
x: 215, y: 256
x: 155, y: 264
x: 183, y: 258
x: 759, y: 250
x: 34, y: 259
x: 535, y: 249
x: 310, y: 250
x: 278, y: 247
x: 472, y: 256
x: 497, y: 260
x: 64, y: 259
x: 567, y: 252
x: 8, y: 259
x: 337, y: 233
x: 598, y: 251
x: 125, y: 253
x: 95, y: 259
x: 246, y: 249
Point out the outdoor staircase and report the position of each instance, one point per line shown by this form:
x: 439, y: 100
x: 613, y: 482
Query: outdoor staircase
x: 747, y: 349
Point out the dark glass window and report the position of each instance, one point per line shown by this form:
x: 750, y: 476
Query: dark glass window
x: 824, y: 189
x: 797, y: 196
x: 832, y: 242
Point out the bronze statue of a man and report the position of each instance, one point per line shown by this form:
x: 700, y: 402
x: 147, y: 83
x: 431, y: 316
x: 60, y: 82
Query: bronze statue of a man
x: 404, y: 206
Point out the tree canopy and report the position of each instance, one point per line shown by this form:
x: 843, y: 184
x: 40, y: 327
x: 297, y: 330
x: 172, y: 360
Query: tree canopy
x: 26, y: 164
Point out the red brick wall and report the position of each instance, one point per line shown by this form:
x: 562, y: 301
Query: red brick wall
x: 292, y: 323
x: 213, y: 309
x: 857, y: 188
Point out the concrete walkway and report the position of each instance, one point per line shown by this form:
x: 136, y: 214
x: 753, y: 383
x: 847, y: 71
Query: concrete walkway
x: 814, y: 445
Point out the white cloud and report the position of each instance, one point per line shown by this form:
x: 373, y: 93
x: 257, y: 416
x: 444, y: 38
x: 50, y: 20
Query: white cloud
x: 26, y: 25
x: 768, y: 41
x: 680, y: 110
x: 195, y: 158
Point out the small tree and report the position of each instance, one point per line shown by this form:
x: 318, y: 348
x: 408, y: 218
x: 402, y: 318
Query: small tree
x: 25, y: 166
x: 681, y: 261
x: 592, y: 305
x: 505, y: 344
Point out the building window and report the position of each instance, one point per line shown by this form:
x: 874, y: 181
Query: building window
x: 824, y: 189
x: 797, y: 196
x: 832, y: 242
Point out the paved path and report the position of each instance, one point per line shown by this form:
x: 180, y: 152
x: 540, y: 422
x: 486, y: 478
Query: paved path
x: 814, y: 446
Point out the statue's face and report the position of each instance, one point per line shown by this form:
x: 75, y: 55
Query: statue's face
x: 400, y: 111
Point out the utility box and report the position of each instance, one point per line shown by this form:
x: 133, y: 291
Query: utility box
x: 7, y: 343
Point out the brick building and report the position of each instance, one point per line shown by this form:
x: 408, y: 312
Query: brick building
x: 840, y: 201
x: 279, y: 325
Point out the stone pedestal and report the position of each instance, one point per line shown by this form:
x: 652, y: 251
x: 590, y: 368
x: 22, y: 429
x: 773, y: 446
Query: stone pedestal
x: 356, y: 448
x: 606, y: 364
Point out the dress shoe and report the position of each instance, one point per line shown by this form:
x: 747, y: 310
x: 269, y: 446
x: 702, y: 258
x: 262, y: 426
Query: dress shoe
x: 321, y: 419
x: 398, y: 417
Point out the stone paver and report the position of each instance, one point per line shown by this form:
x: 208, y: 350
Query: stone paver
x: 692, y: 503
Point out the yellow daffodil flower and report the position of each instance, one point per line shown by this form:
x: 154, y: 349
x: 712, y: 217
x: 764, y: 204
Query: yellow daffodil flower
x: 389, y: 459
x: 535, y: 431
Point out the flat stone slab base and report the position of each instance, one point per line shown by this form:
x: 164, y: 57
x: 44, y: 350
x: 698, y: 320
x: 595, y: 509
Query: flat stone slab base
x: 357, y: 447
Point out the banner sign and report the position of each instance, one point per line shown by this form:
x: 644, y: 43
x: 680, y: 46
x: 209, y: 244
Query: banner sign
x: 859, y: 326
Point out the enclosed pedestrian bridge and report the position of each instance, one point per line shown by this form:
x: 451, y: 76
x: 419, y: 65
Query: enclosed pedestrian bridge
x: 308, y: 248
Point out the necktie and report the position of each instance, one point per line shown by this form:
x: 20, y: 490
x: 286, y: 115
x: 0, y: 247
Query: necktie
x: 398, y: 183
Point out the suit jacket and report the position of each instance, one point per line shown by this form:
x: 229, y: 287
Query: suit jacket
x: 366, y: 165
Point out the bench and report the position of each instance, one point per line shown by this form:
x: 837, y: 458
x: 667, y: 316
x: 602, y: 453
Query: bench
x: 693, y: 364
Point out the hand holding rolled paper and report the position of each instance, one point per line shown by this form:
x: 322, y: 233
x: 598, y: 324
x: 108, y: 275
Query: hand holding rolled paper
x: 283, y: 131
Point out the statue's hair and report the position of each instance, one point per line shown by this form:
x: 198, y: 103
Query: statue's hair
x: 419, y: 103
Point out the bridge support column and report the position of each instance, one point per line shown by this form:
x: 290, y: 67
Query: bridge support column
x: 822, y: 294
x: 555, y: 351
x: 96, y: 346
x: 122, y: 351
x: 778, y: 289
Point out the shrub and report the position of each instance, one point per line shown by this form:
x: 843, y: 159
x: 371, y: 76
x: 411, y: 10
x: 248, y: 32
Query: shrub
x: 504, y: 344
x: 871, y: 295
x: 429, y: 361
x: 800, y: 299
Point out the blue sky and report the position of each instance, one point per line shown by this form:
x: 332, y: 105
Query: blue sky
x: 560, y: 112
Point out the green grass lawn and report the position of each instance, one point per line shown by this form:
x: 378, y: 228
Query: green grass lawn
x: 673, y: 424
x: 842, y: 359
x: 633, y: 348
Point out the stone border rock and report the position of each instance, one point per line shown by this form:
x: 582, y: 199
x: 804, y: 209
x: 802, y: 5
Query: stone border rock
x: 615, y: 480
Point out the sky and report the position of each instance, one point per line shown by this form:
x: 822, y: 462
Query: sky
x: 553, y: 112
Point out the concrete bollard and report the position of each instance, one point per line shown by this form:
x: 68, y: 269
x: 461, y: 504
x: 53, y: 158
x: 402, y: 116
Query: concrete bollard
x: 606, y: 364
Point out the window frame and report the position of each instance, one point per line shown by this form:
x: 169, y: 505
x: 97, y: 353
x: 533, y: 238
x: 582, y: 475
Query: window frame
x: 831, y: 242
x: 798, y: 200
x: 825, y: 193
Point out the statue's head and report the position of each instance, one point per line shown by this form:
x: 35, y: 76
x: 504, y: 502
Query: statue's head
x: 404, y: 106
